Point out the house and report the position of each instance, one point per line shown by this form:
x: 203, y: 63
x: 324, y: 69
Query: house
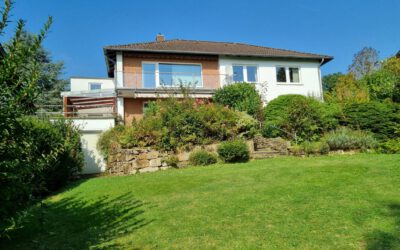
x: 141, y: 72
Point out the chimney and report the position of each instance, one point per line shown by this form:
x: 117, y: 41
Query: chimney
x: 160, y: 37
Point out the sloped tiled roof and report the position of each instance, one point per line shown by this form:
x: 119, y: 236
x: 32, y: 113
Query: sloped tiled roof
x: 178, y: 46
x: 213, y: 48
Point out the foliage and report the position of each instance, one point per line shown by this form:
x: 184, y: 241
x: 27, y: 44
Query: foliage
x: 346, y: 139
x: 383, y: 119
x: 180, y: 124
x: 319, y: 147
x: 234, y: 151
x: 41, y: 157
x: 49, y: 83
x: 108, y: 140
x: 202, y: 158
x: 37, y: 156
x: 172, y: 161
x: 297, y: 149
x: 384, y: 83
x: 330, y: 81
x: 298, y: 118
x: 390, y: 146
x: 240, y: 96
x: 349, y: 90
x: 365, y: 62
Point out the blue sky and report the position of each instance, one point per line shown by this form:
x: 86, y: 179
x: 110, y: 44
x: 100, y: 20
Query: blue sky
x: 339, y: 28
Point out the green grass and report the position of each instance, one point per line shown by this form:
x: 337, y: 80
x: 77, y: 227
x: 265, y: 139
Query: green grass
x: 331, y: 202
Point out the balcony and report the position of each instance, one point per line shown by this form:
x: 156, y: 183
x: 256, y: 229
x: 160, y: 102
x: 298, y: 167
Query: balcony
x: 151, y: 84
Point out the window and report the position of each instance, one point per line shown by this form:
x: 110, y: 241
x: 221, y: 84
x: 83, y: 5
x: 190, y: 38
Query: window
x: 280, y: 74
x: 149, y: 75
x: 294, y: 75
x: 238, y: 73
x: 251, y: 73
x: 94, y: 86
x: 171, y: 75
x: 179, y: 74
x: 243, y: 73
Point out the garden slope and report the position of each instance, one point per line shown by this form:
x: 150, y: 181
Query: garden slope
x: 335, y: 202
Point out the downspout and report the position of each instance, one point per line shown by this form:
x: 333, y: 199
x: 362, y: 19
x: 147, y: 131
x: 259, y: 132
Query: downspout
x: 320, y: 79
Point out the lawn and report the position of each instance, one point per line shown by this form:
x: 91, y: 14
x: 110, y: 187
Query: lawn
x: 330, y: 202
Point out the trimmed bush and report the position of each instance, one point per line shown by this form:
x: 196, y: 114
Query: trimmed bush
x: 320, y: 147
x: 202, y: 158
x: 347, y: 139
x: 240, y: 96
x: 390, y: 146
x: 234, y: 151
x: 296, y: 117
x: 382, y: 119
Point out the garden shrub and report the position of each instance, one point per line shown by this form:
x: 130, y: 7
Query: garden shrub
x: 172, y: 161
x: 240, y: 96
x: 383, y: 119
x: 347, y: 139
x: 41, y: 157
x: 300, y: 118
x: 109, y: 139
x: 180, y: 124
x: 297, y: 149
x: 234, y: 151
x: 390, y: 146
x: 319, y: 147
x: 202, y: 158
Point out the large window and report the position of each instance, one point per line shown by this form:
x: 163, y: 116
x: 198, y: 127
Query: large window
x: 171, y: 75
x: 244, y: 73
x: 283, y: 74
x: 149, y: 75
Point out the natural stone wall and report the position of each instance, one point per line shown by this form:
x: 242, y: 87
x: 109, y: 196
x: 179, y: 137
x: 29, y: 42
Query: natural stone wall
x: 269, y: 147
x: 142, y: 160
x: 136, y: 160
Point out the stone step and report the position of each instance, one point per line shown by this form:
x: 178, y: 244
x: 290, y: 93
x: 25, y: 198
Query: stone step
x: 264, y: 154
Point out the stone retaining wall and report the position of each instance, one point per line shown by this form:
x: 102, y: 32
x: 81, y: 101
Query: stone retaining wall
x: 142, y: 160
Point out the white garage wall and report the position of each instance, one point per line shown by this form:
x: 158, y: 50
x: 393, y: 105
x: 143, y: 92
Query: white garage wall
x: 310, y: 84
x: 90, y: 133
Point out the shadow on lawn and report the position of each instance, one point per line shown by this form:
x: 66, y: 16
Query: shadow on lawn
x: 379, y: 239
x: 77, y: 223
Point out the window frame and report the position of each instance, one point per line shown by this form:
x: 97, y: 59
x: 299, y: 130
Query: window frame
x: 95, y: 83
x: 245, y: 75
x: 287, y: 74
x: 157, y: 72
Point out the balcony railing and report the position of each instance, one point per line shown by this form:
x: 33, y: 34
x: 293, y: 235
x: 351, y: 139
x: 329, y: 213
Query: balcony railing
x: 153, y: 80
x: 77, y: 111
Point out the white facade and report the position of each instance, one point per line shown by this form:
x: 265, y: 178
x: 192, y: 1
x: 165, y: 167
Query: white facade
x: 90, y: 133
x: 309, y: 84
x: 84, y: 84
